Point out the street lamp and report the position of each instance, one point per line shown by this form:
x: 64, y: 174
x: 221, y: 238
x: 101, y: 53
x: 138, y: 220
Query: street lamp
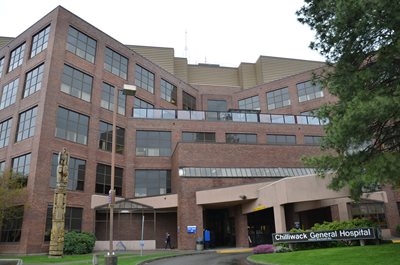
x: 111, y: 258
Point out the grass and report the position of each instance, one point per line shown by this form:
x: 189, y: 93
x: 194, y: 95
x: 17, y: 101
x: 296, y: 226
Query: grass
x: 123, y: 259
x: 367, y: 255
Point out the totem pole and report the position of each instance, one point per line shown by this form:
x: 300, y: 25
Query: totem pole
x: 59, y: 206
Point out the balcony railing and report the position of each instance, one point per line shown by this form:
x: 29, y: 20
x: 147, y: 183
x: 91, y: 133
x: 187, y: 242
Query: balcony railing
x: 195, y: 115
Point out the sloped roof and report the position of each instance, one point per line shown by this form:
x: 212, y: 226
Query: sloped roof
x: 4, y: 41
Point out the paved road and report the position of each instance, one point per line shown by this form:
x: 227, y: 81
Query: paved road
x: 208, y: 258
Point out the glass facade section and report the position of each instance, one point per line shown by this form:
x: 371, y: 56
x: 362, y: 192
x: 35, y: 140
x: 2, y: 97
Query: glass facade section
x: 241, y: 138
x: 26, y: 124
x: 312, y: 140
x: 116, y: 63
x: 17, y: 57
x: 103, y: 179
x: 107, y: 99
x: 76, y: 173
x: 278, y: 98
x: 152, y: 182
x: 76, y: 83
x: 198, y: 137
x: 12, y: 224
x: 72, y: 126
x: 281, y: 139
x: 33, y: 80
x: 141, y: 104
x: 73, y: 220
x: 309, y: 91
x: 9, y: 94
x: 189, y: 102
x: 5, y: 128
x: 153, y: 143
x: 105, y: 138
x: 144, y: 79
x: 39, y: 41
x: 81, y: 45
x: 252, y: 103
x: 373, y: 211
x: 168, y: 92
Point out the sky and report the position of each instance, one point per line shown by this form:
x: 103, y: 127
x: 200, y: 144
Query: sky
x: 223, y: 32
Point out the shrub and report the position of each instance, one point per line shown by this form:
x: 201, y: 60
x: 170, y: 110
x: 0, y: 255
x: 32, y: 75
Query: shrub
x: 264, y: 249
x: 79, y: 242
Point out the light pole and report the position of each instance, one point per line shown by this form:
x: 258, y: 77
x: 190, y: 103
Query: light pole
x: 111, y: 258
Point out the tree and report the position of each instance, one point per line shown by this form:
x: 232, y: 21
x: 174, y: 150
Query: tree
x: 361, y: 41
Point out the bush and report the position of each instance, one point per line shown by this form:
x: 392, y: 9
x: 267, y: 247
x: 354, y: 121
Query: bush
x: 264, y: 249
x: 79, y: 242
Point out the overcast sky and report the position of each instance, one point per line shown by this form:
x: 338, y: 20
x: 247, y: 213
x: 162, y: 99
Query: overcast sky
x: 224, y: 32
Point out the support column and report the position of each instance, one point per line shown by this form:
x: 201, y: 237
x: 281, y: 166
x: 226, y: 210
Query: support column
x: 343, y: 211
x: 241, y: 228
x: 279, y: 217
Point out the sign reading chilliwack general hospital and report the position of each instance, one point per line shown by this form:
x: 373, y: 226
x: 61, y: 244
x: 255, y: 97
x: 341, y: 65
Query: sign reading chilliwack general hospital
x: 331, y: 235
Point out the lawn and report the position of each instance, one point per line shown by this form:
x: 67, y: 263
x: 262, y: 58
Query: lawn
x: 377, y: 255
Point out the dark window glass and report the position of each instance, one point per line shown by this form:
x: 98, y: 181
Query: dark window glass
x: 107, y: 99
x: 200, y: 137
x: 116, y: 63
x: 241, y: 138
x: 374, y: 211
x: 278, y: 98
x: 76, y: 83
x: 21, y: 164
x: 73, y: 220
x: 81, y: 45
x: 216, y: 105
x: 312, y: 140
x: 5, y: 128
x: 76, y: 173
x: 168, y: 92
x: 103, y: 179
x: 308, y: 91
x: 189, y: 102
x: 141, y: 104
x: 152, y: 182
x: 26, y: 124
x: 144, y: 79
x: 33, y: 80
x: 153, y: 143
x: 72, y: 126
x: 281, y: 139
x: 17, y: 57
x: 251, y: 103
x: 105, y: 138
x: 12, y: 224
x: 39, y: 41
x: 9, y: 94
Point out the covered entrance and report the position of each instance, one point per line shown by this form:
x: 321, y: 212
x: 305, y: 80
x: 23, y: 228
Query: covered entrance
x: 221, y: 224
x: 261, y: 225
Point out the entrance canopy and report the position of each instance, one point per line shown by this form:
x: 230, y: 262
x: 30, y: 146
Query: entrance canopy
x: 127, y: 206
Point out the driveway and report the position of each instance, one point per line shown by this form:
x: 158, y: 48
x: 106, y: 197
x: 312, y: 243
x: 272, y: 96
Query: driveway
x: 211, y: 258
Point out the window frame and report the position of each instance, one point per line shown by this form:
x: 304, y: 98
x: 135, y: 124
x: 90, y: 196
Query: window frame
x: 40, y: 41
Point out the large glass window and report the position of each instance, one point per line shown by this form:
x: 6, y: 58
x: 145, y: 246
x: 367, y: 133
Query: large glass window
x: 312, y: 140
x: 252, y: 103
x: 216, y: 105
x: 309, y: 90
x: 153, y: 143
x: 199, y: 137
x: 39, y: 41
x: 189, y: 102
x: 17, y: 57
x: 103, y: 179
x: 281, y: 139
x: 9, y: 94
x: 278, y: 98
x: 76, y: 83
x: 241, y: 138
x: 152, y: 182
x: 168, y: 92
x: 116, y: 63
x: 105, y: 138
x: 72, y: 126
x: 73, y: 220
x: 373, y: 211
x: 144, y: 79
x: 26, y: 124
x: 107, y: 99
x: 81, y: 45
x: 12, y: 224
x: 33, y: 80
x: 1, y: 66
x: 5, y: 128
x: 76, y: 173
x: 141, y: 104
x: 21, y: 164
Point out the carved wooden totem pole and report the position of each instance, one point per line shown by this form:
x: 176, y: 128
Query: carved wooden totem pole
x: 59, y: 206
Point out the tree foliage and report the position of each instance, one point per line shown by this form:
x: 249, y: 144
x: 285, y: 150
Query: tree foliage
x: 361, y: 41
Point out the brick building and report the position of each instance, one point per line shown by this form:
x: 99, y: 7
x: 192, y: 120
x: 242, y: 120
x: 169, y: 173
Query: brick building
x: 199, y: 146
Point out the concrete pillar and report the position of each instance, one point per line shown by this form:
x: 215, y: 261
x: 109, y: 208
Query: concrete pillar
x: 279, y: 217
x: 343, y: 211
x: 241, y: 228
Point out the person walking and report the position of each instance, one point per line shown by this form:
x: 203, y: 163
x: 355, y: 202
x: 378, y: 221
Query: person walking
x: 167, y: 240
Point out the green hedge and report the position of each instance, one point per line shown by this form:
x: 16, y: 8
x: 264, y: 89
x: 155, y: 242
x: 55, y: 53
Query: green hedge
x: 79, y: 243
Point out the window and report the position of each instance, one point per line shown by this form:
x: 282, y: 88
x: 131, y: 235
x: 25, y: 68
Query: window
x: 72, y: 126
x: 73, y: 220
x: 373, y: 211
x: 103, y: 179
x: 12, y: 224
x: 33, y: 80
x: 1, y: 66
x: 278, y: 98
x: 5, y: 128
x: 281, y: 139
x: 9, y: 94
x: 252, y: 103
x: 107, y: 99
x: 241, y: 138
x: 168, y: 92
x: 76, y: 173
x: 2, y: 166
x: 308, y: 91
x: 144, y: 79
x: 76, y: 83
x: 199, y: 137
x: 152, y: 182
x: 153, y: 143
x: 17, y: 57
x: 312, y: 140
x: 81, y: 45
x: 39, y: 41
x: 116, y: 63
x: 26, y: 124
x: 189, y: 102
x: 216, y: 105
x: 141, y: 104
x: 105, y: 141
x: 21, y: 164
